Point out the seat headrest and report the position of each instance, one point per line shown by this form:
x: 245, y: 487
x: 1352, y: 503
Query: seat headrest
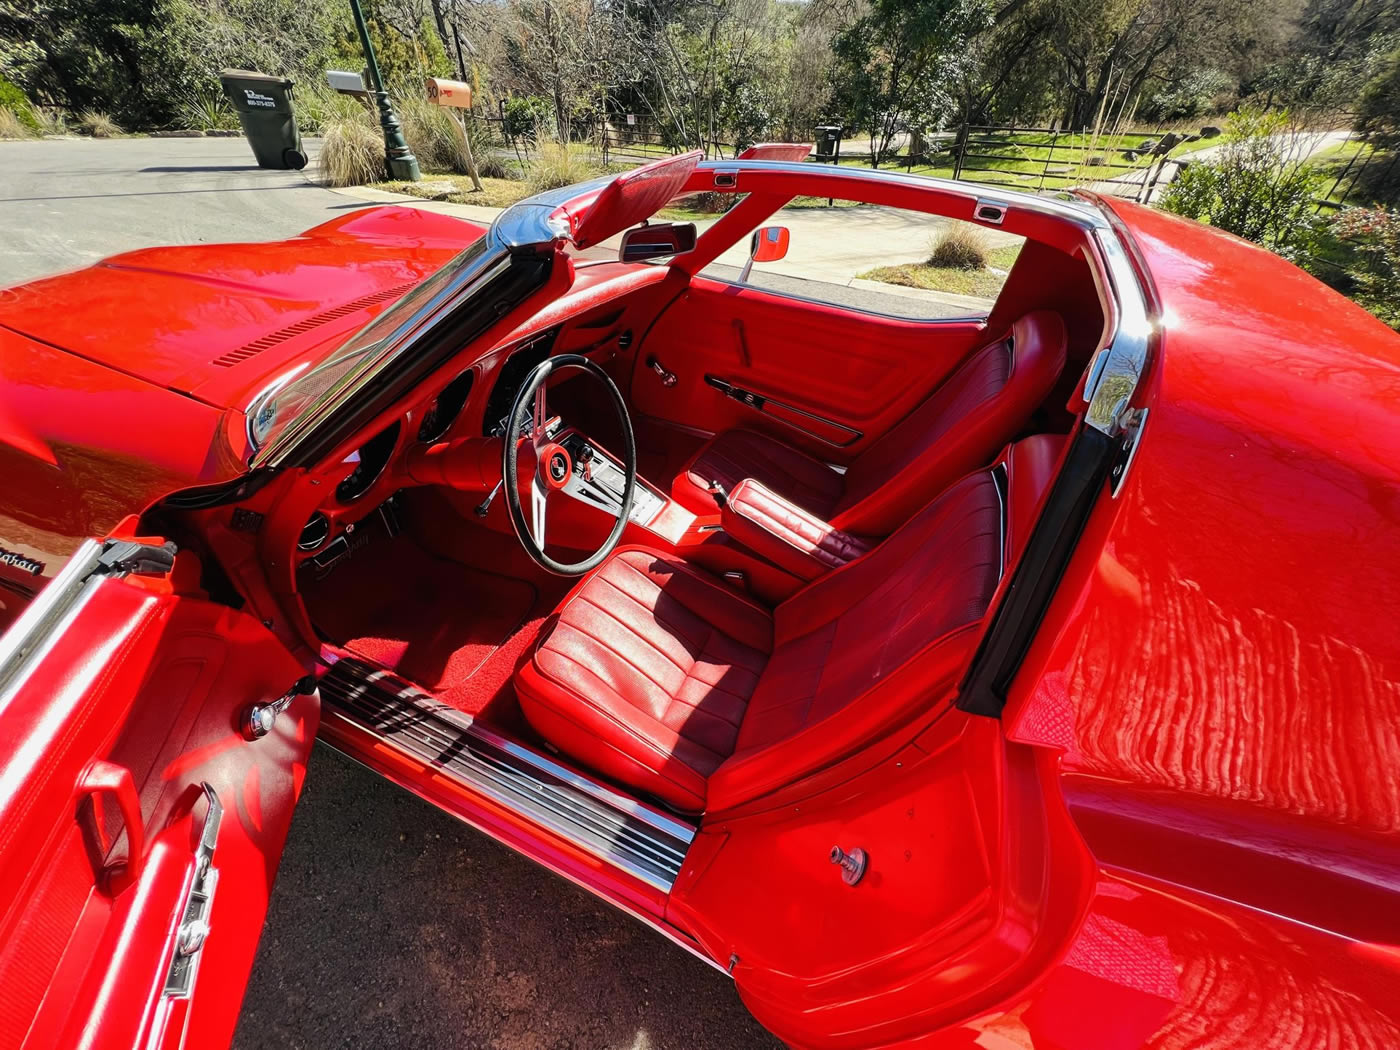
x: 1030, y: 468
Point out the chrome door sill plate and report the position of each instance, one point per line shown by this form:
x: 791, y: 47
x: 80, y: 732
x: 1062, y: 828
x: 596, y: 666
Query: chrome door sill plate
x: 643, y: 842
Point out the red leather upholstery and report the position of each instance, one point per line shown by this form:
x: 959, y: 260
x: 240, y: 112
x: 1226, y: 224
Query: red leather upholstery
x: 787, y: 535
x: 660, y: 676
x: 646, y: 673
x: 738, y: 454
x: 960, y: 427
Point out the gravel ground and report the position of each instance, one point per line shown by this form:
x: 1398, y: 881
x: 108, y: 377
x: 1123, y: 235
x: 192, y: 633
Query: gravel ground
x: 393, y: 925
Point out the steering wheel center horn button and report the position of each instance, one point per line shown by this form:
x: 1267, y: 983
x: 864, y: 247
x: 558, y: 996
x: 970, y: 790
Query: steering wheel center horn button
x: 555, y: 464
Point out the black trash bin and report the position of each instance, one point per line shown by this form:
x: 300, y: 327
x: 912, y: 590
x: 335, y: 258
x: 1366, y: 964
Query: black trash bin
x: 264, y: 107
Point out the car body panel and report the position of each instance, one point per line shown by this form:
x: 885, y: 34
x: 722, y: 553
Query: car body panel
x: 152, y: 685
x: 1198, y: 814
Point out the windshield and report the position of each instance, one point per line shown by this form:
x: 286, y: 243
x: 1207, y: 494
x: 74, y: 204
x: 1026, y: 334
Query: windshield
x: 272, y: 413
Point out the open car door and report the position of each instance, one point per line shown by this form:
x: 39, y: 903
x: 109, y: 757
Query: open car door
x: 152, y: 747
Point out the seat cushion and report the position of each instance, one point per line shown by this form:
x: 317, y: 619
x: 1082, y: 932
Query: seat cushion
x: 738, y: 454
x: 646, y: 673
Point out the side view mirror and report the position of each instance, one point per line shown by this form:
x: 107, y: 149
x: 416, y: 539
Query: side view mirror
x: 657, y: 240
x: 769, y: 244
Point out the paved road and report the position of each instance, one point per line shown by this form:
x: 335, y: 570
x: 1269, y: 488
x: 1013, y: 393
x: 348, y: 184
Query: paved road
x: 391, y: 925
x: 66, y: 203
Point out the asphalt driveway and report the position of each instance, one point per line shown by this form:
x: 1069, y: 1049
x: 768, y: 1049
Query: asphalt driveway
x: 391, y: 924
x: 66, y: 203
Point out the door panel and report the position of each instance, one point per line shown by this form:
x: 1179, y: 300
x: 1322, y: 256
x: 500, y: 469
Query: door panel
x: 136, y: 696
x: 861, y: 371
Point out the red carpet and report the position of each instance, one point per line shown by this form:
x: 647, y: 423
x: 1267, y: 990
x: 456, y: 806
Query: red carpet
x: 431, y: 620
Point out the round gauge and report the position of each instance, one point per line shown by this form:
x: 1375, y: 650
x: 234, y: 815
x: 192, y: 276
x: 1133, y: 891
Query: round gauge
x: 369, y: 461
x: 445, y: 409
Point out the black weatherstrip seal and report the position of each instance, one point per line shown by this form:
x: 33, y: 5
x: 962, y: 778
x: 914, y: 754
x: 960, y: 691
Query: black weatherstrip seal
x: 1036, y: 579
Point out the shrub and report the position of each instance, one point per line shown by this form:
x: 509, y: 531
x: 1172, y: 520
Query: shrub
x: 11, y: 127
x: 1366, y: 243
x: 206, y: 109
x: 98, y: 124
x: 352, y: 150
x: 52, y: 120
x: 523, y: 116
x: 490, y: 166
x: 14, y: 102
x: 1257, y: 186
x: 557, y: 164
x: 959, y: 247
x: 432, y: 135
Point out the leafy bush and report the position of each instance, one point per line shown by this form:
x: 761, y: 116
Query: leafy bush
x: 352, y: 150
x: 11, y: 127
x: 98, y: 124
x: 1257, y: 186
x: 524, y: 115
x: 14, y: 102
x: 1365, y: 244
x: 556, y: 164
x: 959, y: 247
x: 1379, y: 110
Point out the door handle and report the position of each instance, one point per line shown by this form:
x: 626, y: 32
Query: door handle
x: 108, y: 778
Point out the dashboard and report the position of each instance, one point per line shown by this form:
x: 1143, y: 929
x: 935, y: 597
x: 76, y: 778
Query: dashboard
x: 349, y: 497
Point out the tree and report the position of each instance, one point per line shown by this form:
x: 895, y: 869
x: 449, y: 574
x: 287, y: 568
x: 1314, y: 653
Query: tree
x: 897, y: 64
x: 1378, y: 113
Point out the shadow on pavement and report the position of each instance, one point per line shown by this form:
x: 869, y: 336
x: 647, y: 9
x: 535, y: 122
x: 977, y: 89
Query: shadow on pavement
x: 393, y: 925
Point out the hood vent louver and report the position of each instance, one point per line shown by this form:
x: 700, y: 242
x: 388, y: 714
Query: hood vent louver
x: 266, y: 342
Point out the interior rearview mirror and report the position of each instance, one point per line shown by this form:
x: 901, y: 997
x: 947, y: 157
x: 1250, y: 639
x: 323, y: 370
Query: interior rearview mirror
x: 769, y: 244
x: 657, y: 240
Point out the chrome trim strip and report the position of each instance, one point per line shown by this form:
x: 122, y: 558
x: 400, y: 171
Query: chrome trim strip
x: 1125, y: 357
x: 31, y: 636
x: 646, y: 844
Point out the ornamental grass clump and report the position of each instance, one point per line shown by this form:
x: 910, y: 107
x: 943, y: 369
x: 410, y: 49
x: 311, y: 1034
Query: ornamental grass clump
x: 352, y: 149
x: 98, y: 124
x: 959, y: 247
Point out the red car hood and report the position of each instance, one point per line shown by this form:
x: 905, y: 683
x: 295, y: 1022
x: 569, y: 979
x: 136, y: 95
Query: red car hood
x: 125, y: 382
x: 211, y: 321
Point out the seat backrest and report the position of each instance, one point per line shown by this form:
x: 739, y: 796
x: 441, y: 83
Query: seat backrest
x: 961, y: 426
x: 863, y: 647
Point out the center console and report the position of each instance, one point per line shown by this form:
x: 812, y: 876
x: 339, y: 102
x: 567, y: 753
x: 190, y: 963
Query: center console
x: 598, y: 480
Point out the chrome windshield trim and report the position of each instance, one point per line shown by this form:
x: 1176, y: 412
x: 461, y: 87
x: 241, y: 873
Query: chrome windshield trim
x: 525, y: 226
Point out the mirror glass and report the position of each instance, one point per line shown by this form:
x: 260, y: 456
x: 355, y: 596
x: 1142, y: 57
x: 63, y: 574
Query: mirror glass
x: 657, y: 240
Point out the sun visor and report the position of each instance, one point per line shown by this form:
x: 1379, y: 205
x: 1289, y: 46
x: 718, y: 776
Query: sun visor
x: 631, y: 197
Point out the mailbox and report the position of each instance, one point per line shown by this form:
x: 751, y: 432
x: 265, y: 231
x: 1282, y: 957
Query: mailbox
x: 346, y: 83
x: 449, y: 93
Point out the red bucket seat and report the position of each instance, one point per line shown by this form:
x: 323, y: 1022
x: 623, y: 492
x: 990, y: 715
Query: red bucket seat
x: 662, y: 677
x: 961, y: 426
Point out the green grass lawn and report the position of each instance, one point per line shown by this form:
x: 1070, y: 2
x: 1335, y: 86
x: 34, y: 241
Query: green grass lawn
x: 1338, y: 167
x: 985, y: 283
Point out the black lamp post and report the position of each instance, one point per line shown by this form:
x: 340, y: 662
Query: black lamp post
x: 402, y: 163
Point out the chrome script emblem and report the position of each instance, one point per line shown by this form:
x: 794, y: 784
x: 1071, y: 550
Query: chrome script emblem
x: 19, y: 561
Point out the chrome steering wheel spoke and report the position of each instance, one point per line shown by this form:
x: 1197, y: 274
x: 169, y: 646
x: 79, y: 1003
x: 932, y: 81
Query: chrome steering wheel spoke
x: 539, y: 497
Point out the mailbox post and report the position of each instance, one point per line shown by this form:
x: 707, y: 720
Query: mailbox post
x: 401, y: 162
x: 453, y: 94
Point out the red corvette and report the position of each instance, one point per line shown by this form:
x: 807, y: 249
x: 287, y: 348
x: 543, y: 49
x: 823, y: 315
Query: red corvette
x: 1014, y: 671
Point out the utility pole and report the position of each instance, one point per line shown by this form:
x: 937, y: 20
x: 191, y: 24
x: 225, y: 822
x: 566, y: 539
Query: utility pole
x: 401, y: 162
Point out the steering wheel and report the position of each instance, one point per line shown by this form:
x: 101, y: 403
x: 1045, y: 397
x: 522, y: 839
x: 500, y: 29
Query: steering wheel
x: 553, y: 466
